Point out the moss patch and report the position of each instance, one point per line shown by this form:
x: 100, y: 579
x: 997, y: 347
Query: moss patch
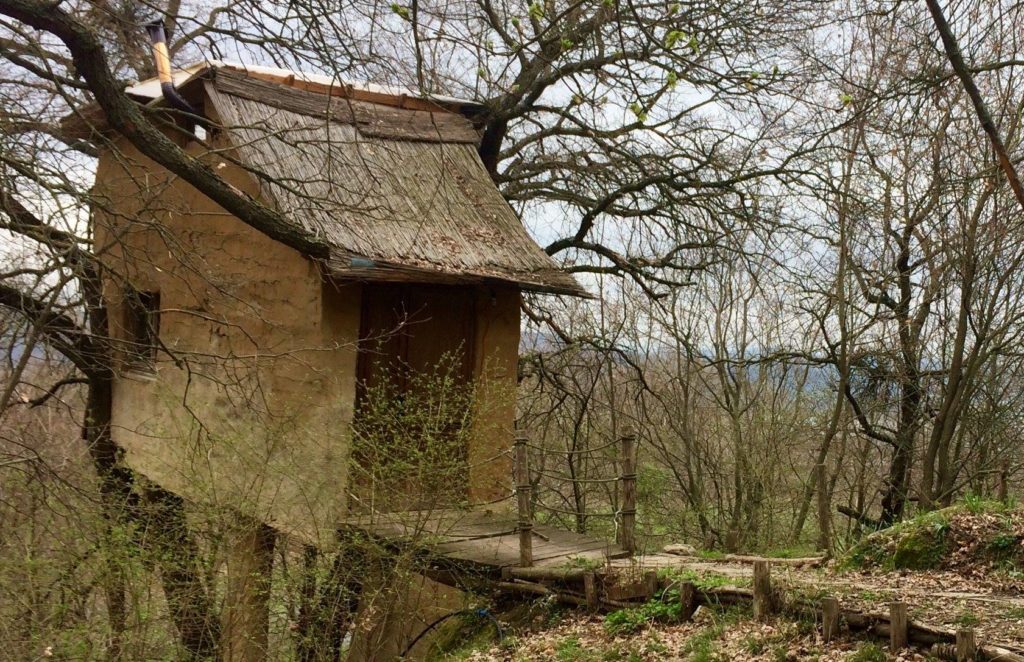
x: 976, y: 535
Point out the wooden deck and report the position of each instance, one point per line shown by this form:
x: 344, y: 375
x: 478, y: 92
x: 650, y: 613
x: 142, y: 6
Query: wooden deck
x: 484, y: 539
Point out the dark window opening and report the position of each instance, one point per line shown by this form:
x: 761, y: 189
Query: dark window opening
x: 142, y: 327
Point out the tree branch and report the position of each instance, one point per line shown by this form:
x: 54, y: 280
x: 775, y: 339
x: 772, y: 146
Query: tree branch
x: 126, y: 117
x: 980, y: 108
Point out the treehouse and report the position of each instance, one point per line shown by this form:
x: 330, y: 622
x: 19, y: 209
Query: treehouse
x: 244, y: 362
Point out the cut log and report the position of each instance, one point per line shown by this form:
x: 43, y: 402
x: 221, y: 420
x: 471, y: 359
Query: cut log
x: 549, y: 574
x: 966, y: 649
x: 523, y: 487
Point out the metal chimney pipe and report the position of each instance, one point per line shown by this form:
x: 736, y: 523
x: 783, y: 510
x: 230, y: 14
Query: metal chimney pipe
x: 158, y: 37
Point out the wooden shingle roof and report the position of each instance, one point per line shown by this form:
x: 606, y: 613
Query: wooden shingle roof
x: 400, y: 194
x: 393, y: 183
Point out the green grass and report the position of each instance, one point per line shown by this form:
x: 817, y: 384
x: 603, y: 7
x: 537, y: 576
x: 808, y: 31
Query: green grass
x: 634, y: 619
x: 924, y: 542
x: 966, y: 619
x: 571, y: 650
x: 702, y: 580
x: 869, y: 653
x: 1015, y: 612
x: 582, y: 563
x: 710, y: 555
x: 701, y: 646
x: 979, y: 505
x: 755, y: 645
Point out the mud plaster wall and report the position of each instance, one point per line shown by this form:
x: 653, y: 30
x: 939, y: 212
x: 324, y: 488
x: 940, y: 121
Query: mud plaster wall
x: 249, y: 409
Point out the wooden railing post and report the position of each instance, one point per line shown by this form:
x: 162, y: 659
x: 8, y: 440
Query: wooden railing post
x: 824, y: 514
x: 628, y: 482
x: 522, y: 477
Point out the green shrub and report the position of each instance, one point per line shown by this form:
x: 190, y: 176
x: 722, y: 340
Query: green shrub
x: 634, y: 619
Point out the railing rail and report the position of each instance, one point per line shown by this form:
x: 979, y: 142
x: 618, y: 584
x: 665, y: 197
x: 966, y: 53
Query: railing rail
x: 624, y: 515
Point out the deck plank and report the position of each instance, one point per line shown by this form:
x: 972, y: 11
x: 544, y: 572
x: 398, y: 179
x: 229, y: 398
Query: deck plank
x: 483, y: 537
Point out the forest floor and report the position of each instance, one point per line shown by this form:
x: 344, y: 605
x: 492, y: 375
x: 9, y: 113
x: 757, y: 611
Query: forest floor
x: 993, y: 604
x: 993, y: 607
x: 955, y: 568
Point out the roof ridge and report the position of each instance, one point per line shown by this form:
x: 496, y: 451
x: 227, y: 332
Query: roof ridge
x: 322, y: 83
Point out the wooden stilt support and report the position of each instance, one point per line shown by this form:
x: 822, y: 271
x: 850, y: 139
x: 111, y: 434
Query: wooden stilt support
x: 245, y: 616
x: 523, y: 495
x: 764, y: 600
x: 687, y: 600
x: 628, y: 483
x: 966, y: 647
x: 899, y: 626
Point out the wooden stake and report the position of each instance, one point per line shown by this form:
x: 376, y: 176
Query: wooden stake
x: 687, y: 600
x: 966, y: 648
x: 590, y: 591
x: 628, y: 481
x: 899, y: 625
x: 763, y: 600
x: 829, y: 618
x: 650, y: 583
x: 523, y: 495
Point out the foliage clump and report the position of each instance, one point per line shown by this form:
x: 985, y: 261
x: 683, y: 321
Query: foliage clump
x: 964, y: 537
x: 633, y: 619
